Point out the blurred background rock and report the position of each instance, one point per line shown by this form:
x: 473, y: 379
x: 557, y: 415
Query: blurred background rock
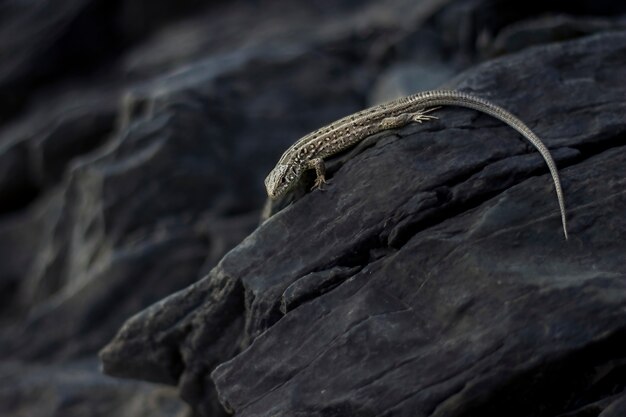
x: 135, y: 135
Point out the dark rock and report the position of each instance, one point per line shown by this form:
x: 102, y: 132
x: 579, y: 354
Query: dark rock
x: 37, y: 151
x: 76, y: 132
x: 445, y: 286
x: 616, y: 408
x: 115, y: 236
x: 132, y: 153
x: 77, y: 390
x: 544, y: 30
x: 163, y: 359
x: 20, y: 236
x: 18, y: 187
x: 116, y: 221
x: 48, y: 40
x: 138, y: 18
x: 405, y: 79
x: 469, y: 27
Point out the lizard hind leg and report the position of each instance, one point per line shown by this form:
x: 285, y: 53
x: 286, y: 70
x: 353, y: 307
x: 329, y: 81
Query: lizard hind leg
x: 423, y: 116
x: 404, y: 119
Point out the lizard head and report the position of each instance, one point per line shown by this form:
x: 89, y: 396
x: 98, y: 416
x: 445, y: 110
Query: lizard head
x: 280, y: 180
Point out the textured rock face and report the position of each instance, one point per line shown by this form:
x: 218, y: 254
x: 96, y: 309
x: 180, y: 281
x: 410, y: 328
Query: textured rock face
x: 76, y: 389
x: 431, y: 277
x: 132, y: 152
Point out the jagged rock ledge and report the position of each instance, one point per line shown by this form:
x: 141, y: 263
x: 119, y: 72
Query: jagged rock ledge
x: 431, y: 278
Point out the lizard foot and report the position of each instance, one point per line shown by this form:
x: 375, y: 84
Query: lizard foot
x: 319, y: 183
x: 423, y: 116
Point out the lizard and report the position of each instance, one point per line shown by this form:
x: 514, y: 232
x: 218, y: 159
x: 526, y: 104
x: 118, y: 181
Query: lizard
x: 310, y: 151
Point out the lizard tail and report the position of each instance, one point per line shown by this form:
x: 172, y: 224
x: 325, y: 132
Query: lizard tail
x: 457, y: 98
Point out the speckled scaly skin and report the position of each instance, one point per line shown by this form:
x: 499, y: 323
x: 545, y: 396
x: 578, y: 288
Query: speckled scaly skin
x: 309, y: 152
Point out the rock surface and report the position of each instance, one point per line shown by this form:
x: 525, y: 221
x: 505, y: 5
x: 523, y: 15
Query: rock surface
x: 134, y: 138
x: 431, y: 278
x: 61, y: 391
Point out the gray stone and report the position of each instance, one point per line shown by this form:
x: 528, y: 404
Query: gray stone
x: 77, y: 389
x: 546, y: 29
x: 452, y: 291
x: 407, y: 79
x: 132, y: 152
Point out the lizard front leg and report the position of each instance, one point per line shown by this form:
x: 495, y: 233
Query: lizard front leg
x: 320, y: 171
x: 406, y: 118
